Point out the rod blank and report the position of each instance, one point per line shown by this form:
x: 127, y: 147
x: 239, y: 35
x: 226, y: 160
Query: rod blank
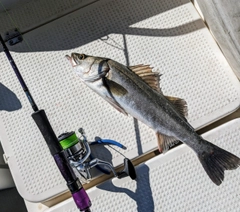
x: 19, y: 76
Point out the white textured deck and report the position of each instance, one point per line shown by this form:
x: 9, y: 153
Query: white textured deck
x: 172, y: 182
x: 169, y: 35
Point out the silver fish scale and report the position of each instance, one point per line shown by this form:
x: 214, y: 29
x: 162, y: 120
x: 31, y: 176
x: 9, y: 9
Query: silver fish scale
x: 177, y: 68
x: 168, y: 35
x: 172, y: 182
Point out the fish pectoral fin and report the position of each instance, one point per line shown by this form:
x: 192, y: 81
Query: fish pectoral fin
x: 165, y: 142
x: 179, y: 104
x: 115, y: 88
x: 115, y: 105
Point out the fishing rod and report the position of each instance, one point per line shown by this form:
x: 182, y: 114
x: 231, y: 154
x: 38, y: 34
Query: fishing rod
x: 69, y: 151
x: 39, y: 116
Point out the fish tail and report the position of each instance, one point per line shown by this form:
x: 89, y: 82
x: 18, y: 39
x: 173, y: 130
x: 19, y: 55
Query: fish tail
x: 215, y: 160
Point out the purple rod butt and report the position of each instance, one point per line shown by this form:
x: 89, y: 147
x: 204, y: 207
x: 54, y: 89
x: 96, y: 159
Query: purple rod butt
x: 81, y: 199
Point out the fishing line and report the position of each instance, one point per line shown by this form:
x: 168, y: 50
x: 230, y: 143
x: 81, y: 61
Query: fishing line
x: 116, y: 150
x: 109, y: 145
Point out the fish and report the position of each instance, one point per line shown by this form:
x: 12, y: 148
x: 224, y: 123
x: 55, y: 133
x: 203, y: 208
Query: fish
x: 135, y: 90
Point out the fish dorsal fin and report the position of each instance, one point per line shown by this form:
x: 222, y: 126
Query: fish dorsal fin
x: 165, y: 142
x: 147, y: 75
x: 153, y: 79
x: 179, y: 104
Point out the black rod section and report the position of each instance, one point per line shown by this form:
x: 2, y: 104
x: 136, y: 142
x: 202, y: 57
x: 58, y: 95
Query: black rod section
x: 47, y: 132
x: 19, y: 76
x: 39, y: 116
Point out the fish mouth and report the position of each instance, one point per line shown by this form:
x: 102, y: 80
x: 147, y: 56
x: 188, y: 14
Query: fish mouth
x: 71, y: 60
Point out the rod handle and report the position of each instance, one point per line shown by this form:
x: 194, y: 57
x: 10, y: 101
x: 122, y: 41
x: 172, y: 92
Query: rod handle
x: 46, y: 130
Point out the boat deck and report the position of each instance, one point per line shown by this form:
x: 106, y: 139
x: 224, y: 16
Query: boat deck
x: 168, y: 35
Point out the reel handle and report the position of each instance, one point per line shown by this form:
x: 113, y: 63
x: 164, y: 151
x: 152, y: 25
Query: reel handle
x: 128, y: 170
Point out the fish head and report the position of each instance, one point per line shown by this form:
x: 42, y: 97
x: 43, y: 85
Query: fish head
x: 89, y: 68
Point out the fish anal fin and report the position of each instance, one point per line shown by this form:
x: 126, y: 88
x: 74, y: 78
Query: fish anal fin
x: 165, y: 142
x: 147, y: 75
x: 179, y: 104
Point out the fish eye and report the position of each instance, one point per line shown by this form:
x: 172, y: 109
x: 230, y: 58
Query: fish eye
x: 81, y: 57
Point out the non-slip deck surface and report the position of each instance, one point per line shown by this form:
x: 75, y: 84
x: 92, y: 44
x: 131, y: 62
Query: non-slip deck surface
x: 169, y: 35
x: 172, y: 182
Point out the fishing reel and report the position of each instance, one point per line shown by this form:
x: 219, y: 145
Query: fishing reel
x: 78, y: 152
